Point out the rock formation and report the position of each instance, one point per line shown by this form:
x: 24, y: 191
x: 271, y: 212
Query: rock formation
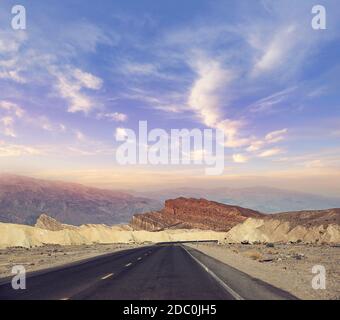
x: 182, y: 220
x: 278, y: 230
x: 309, y: 218
x: 47, y: 223
x: 183, y: 213
x: 14, y: 235
x: 243, y: 225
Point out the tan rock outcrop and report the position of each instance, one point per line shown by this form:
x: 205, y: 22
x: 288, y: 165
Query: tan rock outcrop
x: 48, y: 223
x: 274, y: 230
x: 13, y: 235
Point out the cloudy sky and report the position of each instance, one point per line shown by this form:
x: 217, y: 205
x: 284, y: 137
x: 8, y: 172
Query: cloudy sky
x: 255, y: 69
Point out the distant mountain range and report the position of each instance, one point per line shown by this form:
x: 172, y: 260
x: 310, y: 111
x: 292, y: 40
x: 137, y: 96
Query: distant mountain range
x: 24, y: 199
x: 263, y: 199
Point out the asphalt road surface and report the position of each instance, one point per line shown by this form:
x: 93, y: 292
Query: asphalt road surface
x: 160, y: 272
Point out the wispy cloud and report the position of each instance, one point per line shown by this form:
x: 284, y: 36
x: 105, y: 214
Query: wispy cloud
x: 10, y: 45
x: 209, y: 104
x: 15, y: 113
x: 270, y: 153
x: 169, y: 102
x: 45, y: 123
x: 86, y: 36
x: 276, y: 136
x: 204, y: 96
x: 80, y: 136
x: 113, y: 116
x: 15, y: 150
x: 240, y: 158
x: 7, y: 123
x: 11, y: 42
x: 12, y: 111
x: 268, y: 103
x: 276, y: 51
x: 12, y: 108
x: 270, y: 138
x: 71, y: 83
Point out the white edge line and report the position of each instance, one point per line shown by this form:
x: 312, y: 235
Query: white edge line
x: 221, y: 282
x: 107, y: 276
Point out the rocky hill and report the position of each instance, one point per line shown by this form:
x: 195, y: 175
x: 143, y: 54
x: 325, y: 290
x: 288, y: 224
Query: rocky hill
x: 183, y: 213
x: 286, y: 230
x: 309, y: 218
x: 47, y: 223
x: 255, y: 228
x: 241, y: 224
x: 15, y: 235
x: 24, y: 199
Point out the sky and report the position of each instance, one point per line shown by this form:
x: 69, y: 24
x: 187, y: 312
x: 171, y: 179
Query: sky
x: 83, y: 70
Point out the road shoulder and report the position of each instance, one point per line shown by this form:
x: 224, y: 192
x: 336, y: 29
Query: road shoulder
x: 246, y: 286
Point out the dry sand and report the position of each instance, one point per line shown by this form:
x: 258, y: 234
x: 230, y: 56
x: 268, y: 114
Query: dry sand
x: 48, y: 256
x: 288, y: 267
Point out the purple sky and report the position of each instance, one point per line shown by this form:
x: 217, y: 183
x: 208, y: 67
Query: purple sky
x: 256, y: 69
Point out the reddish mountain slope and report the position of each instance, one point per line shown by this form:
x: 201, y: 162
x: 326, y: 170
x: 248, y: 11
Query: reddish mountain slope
x: 193, y: 214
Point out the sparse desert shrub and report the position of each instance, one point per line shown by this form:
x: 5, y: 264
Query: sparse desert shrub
x: 255, y: 255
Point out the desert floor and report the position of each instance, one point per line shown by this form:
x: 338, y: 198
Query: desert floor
x: 288, y: 267
x: 48, y: 256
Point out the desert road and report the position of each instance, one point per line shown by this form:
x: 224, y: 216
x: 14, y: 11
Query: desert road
x: 159, y: 272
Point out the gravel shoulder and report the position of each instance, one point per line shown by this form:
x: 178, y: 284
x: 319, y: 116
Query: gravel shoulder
x: 288, y: 267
